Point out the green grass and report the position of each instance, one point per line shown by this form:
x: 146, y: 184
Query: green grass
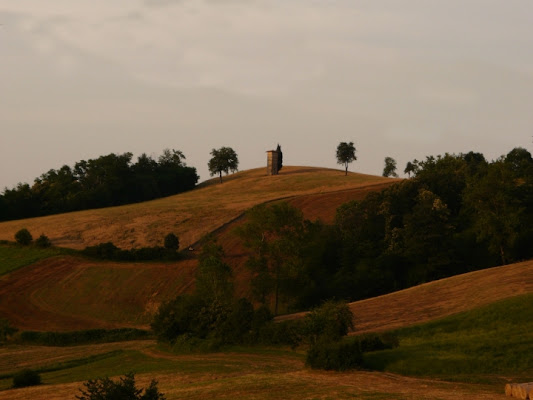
x: 470, y: 346
x: 13, y: 257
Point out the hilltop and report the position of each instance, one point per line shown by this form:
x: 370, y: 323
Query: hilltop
x: 195, y: 213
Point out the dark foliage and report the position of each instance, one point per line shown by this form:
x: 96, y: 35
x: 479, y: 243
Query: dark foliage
x: 458, y: 213
x: 26, y: 377
x: 43, y: 241
x: 108, y: 251
x: 6, y: 330
x: 109, y: 180
x: 23, y: 237
x: 123, y: 389
x: 171, y: 242
x: 338, y: 356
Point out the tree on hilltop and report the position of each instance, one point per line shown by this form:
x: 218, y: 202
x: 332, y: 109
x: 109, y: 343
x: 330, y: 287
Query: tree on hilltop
x: 390, y: 168
x: 345, y: 154
x: 224, y: 160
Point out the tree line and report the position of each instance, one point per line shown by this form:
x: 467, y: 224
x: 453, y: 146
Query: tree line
x: 458, y: 213
x: 109, y: 180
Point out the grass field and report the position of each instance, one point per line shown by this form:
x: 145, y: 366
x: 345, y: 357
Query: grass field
x: 256, y: 373
x: 485, y: 344
x: 13, y: 257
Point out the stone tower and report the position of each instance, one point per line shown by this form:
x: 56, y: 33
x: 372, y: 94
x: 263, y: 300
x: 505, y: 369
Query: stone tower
x: 272, y: 162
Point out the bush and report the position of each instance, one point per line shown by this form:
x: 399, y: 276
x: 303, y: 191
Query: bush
x: 375, y: 342
x: 23, y: 237
x: 328, y: 323
x: 171, y: 242
x: 124, y: 389
x: 6, y: 330
x: 26, y: 377
x: 43, y: 241
x: 338, y: 356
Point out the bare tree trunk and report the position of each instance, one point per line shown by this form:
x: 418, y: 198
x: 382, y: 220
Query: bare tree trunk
x: 220, y: 175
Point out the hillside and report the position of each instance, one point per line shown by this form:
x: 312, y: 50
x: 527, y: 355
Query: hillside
x: 440, y: 298
x: 193, y: 214
x: 69, y: 293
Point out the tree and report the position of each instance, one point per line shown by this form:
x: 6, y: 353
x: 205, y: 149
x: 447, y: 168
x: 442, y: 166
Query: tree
x: 280, y: 157
x: 23, y: 237
x: 390, y: 168
x: 345, y: 154
x: 43, y: 241
x: 213, y: 276
x: 224, y: 160
x: 124, y: 389
x: 275, y: 235
x: 172, y: 242
x: 411, y: 168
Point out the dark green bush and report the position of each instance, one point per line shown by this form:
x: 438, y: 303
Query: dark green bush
x: 124, y: 389
x: 108, y: 251
x: 26, y: 377
x: 171, y: 242
x: 328, y: 323
x: 338, y: 356
x: 375, y: 342
x: 43, y: 241
x: 6, y: 330
x: 23, y: 237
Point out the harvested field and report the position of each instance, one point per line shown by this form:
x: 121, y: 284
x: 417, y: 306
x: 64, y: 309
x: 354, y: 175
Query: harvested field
x: 68, y: 293
x: 190, y: 215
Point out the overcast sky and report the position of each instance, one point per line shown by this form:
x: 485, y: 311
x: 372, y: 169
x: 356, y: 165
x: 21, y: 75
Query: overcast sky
x: 405, y: 79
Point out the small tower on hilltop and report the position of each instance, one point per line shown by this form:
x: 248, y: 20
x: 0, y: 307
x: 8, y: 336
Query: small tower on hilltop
x: 274, y: 161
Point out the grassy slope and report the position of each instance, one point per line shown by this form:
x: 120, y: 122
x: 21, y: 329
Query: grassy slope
x: 190, y: 215
x: 13, y: 257
x: 493, y: 340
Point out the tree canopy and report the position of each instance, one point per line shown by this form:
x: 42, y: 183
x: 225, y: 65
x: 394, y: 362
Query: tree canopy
x: 108, y: 180
x: 223, y: 160
x: 390, y: 168
x: 346, y: 154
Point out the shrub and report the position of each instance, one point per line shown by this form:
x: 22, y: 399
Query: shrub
x: 171, y: 242
x: 328, y: 323
x: 124, y: 389
x: 26, y: 377
x: 6, y: 330
x: 43, y: 241
x: 375, y: 342
x: 23, y: 237
x: 338, y: 356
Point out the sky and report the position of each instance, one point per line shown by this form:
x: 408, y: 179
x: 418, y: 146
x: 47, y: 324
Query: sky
x: 404, y: 79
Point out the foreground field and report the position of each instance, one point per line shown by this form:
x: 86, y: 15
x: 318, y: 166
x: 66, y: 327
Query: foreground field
x: 257, y: 374
x: 192, y: 214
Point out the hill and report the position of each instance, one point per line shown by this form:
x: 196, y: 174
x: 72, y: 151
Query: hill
x: 193, y: 214
x: 70, y: 293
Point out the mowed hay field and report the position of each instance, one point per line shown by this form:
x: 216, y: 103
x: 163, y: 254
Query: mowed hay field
x: 192, y: 214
